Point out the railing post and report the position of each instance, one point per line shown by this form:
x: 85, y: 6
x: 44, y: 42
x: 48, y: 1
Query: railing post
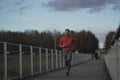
x: 56, y: 59
x: 60, y: 59
x: 20, y: 60
x: 52, y: 59
x: 46, y: 59
x: 40, y: 66
x: 5, y: 60
x: 31, y: 57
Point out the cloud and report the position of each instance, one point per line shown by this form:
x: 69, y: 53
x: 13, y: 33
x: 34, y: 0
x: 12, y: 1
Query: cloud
x: 1, y: 0
x: 1, y: 7
x: 20, y: 2
x: 91, y: 5
x: 14, y: 5
x: 116, y: 7
x: 30, y: 18
x: 23, y: 7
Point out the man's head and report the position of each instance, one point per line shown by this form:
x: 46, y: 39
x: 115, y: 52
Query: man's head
x: 67, y: 32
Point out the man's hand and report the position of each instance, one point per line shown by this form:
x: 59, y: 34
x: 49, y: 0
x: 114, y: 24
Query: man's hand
x: 62, y: 46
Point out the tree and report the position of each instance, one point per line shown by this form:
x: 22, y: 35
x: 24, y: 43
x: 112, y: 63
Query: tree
x: 108, y: 39
x: 86, y: 42
x: 46, y: 39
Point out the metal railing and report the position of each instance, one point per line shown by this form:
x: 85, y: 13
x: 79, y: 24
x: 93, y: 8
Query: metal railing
x: 112, y: 60
x: 18, y: 61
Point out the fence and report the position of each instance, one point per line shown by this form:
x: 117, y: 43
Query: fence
x: 112, y: 60
x: 18, y: 61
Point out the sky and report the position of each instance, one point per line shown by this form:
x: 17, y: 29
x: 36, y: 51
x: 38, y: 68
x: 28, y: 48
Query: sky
x: 98, y: 16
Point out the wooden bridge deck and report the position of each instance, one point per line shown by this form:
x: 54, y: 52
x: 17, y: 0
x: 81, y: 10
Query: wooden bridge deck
x: 92, y: 70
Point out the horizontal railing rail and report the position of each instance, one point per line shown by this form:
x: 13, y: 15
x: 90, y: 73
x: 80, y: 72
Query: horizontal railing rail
x: 112, y: 60
x: 18, y: 61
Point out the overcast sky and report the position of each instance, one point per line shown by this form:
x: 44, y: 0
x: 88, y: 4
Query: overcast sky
x: 99, y: 16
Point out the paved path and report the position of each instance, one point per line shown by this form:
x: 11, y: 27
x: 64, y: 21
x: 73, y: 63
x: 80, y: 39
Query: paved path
x: 92, y: 70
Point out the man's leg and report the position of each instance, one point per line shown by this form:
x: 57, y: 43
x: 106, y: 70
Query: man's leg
x: 66, y: 62
x: 65, y: 58
x: 69, y: 59
x: 69, y: 66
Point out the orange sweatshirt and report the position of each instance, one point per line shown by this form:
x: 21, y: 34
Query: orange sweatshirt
x: 67, y: 43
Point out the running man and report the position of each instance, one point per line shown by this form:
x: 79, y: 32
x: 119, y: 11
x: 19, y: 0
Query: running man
x: 67, y: 43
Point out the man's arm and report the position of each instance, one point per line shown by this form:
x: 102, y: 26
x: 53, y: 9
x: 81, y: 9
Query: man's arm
x: 61, y: 43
